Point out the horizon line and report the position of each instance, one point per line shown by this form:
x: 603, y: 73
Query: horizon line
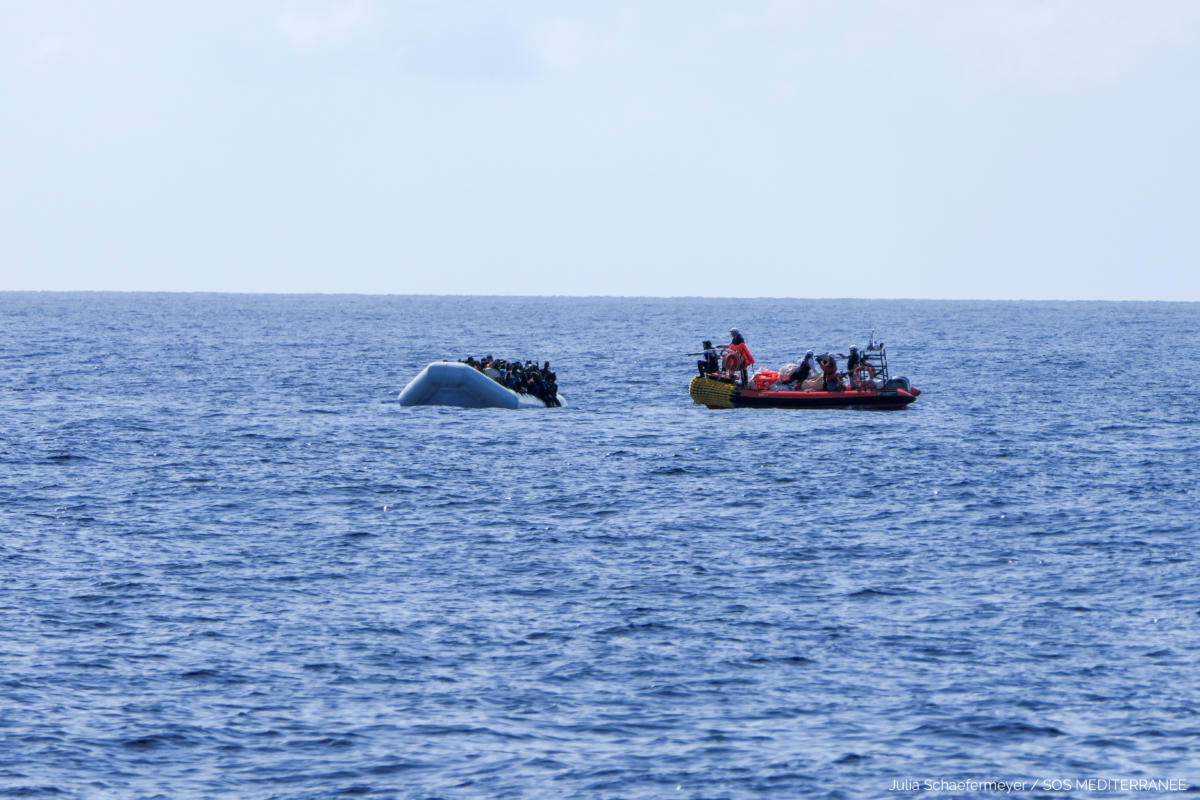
x: 598, y: 296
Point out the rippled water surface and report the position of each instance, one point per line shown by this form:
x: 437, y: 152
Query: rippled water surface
x: 233, y: 566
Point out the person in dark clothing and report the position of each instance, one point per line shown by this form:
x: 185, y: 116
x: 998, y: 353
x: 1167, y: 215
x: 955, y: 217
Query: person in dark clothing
x: 854, y: 359
x: 523, y: 377
x: 801, y: 373
x: 545, y: 393
x: 708, y: 363
x: 551, y: 382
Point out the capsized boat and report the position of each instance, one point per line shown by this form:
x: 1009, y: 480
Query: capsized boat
x: 869, y: 386
x: 452, y: 383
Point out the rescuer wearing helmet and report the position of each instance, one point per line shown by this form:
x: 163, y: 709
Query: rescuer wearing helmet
x: 854, y: 360
x: 739, y: 354
x: 829, y: 367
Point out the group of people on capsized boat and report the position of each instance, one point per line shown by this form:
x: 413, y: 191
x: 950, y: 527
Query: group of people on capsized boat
x: 814, y: 373
x: 522, y: 377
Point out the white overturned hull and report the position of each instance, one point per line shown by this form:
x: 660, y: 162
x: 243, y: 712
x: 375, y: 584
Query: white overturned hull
x: 451, y: 383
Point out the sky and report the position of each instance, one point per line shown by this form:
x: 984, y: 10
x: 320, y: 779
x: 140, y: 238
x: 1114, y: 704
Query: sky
x: 939, y: 149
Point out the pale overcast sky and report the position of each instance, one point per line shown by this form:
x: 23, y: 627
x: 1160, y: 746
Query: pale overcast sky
x: 950, y: 148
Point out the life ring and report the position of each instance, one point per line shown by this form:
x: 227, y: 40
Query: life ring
x: 733, y: 361
x: 857, y: 378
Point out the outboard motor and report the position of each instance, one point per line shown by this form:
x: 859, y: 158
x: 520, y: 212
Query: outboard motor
x: 900, y: 382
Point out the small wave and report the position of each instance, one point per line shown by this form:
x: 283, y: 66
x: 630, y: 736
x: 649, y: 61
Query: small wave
x: 1020, y: 729
x: 156, y: 741
x: 851, y: 758
x: 33, y: 791
x: 393, y: 767
x: 637, y: 628
x: 797, y: 660
x: 868, y: 593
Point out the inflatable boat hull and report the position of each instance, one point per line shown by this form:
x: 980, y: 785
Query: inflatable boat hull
x: 719, y: 394
x: 451, y: 383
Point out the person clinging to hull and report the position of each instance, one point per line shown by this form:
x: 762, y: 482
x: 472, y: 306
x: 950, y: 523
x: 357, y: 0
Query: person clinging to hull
x: 550, y: 382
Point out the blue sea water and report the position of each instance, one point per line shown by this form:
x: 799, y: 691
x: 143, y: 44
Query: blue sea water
x: 231, y: 565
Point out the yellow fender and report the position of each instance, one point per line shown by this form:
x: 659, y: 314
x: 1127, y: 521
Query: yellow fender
x: 711, y: 393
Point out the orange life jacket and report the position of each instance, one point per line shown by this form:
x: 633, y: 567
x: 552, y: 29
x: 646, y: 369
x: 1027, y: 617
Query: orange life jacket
x: 744, y: 352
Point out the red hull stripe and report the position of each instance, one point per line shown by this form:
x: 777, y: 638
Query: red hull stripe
x: 853, y: 397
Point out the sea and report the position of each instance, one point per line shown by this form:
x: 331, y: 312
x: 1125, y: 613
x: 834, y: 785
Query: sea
x: 232, y: 565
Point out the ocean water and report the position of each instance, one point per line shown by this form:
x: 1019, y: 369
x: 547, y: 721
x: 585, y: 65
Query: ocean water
x: 231, y: 565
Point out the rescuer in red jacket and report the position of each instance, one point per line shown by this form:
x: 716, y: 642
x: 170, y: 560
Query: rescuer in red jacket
x: 739, y: 354
x: 829, y: 366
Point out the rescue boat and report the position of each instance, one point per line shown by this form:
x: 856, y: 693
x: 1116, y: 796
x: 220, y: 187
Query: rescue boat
x: 723, y: 393
x: 868, y: 385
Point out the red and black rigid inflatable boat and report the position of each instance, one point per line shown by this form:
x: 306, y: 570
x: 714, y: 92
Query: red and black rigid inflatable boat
x: 719, y: 393
x: 870, y: 387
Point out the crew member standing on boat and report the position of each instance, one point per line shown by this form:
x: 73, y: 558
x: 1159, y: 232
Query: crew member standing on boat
x: 829, y: 367
x: 854, y: 360
x: 739, y: 354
